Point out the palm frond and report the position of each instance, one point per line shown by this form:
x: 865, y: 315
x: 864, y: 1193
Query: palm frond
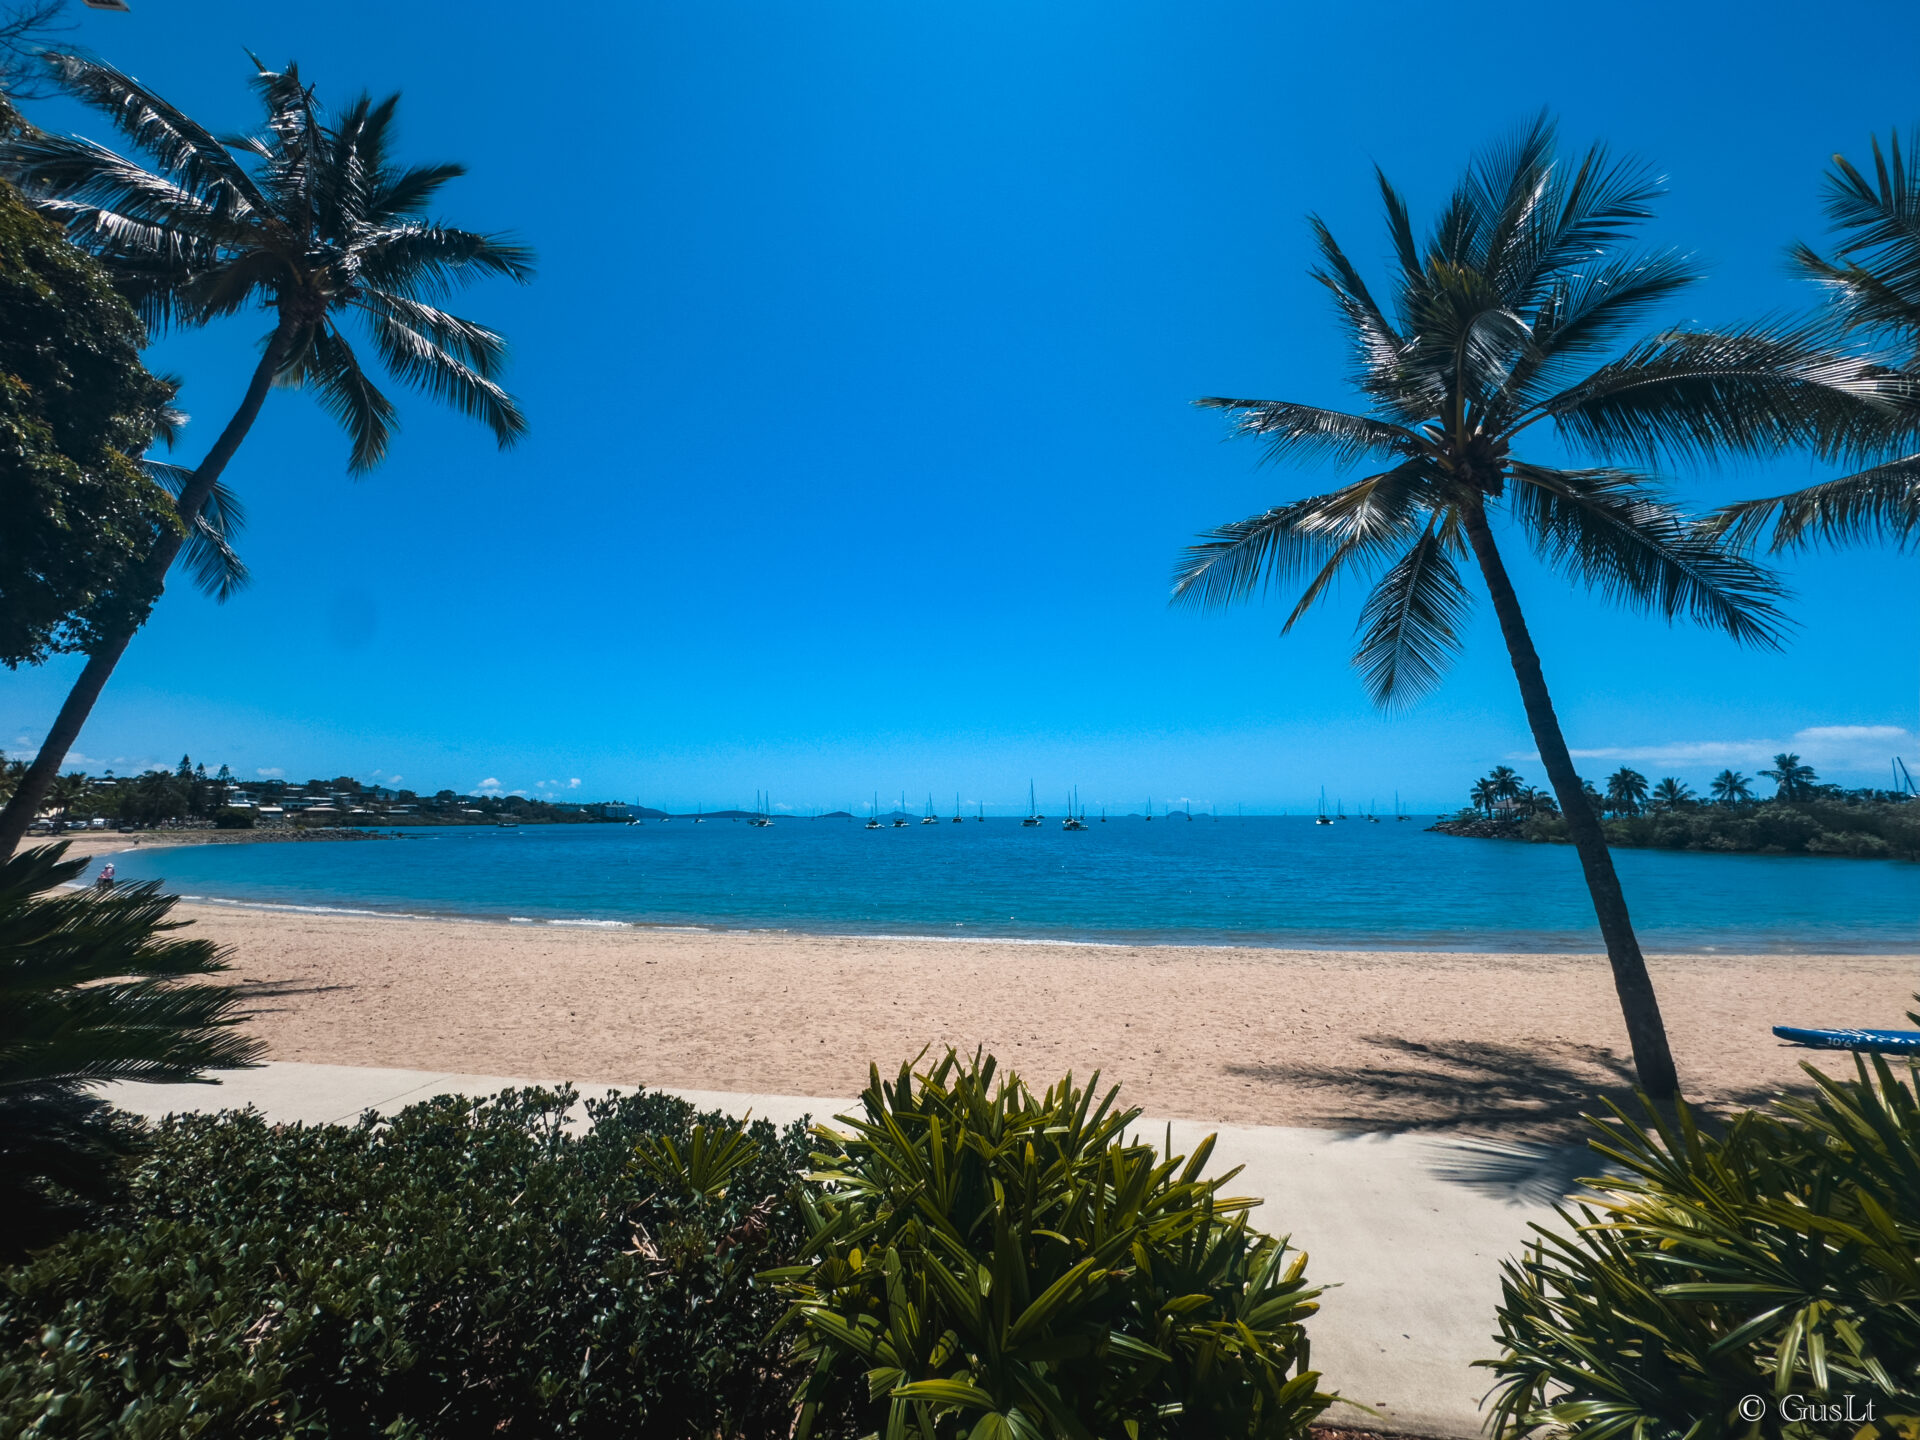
x: 1412, y: 624
x: 216, y: 570
x: 415, y: 358
x: 348, y: 394
x: 1361, y: 522
x: 483, y: 349
x: 1612, y: 532
x: 1881, y: 501
x: 1750, y: 391
x: 178, y: 143
x: 1310, y: 432
x: 424, y: 260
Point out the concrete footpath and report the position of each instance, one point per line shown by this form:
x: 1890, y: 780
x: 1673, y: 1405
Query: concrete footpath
x: 1406, y: 1231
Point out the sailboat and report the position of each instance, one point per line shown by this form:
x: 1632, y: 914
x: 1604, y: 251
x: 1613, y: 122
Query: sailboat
x: 1149, y: 809
x: 900, y: 816
x: 1372, y: 819
x: 698, y: 818
x: 1189, y: 812
x: 1339, y: 809
x: 873, y: 817
x: 1034, y: 817
x: 982, y: 816
x: 1323, y: 818
x: 956, y: 807
x: 1073, y: 822
x: 930, y: 818
x: 762, y: 805
x: 1398, y: 813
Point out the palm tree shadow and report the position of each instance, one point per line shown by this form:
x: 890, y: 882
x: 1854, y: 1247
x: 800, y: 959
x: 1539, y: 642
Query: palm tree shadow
x: 1507, y: 1120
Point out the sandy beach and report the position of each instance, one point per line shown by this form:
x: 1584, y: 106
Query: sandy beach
x: 1513, y: 1043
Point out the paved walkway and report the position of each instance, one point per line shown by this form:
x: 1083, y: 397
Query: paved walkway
x: 1408, y: 1230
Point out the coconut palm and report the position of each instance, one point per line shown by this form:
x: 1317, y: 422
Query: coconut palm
x: 1730, y: 787
x: 1873, y: 281
x: 1626, y: 791
x: 1792, y: 780
x: 1505, y: 782
x: 1483, y: 796
x: 309, y: 218
x: 1672, y: 793
x: 1505, y: 319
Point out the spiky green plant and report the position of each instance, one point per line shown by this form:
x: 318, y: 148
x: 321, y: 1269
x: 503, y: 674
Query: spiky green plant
x: 1504, y: 326
x: 988, y: 1262
x: 1779, y: 1259
x: 91, y: 991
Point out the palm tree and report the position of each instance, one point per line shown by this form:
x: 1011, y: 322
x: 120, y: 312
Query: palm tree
x: 310, y: 218
x: 1504, y: 781
x: 1522, y: 285
x: 1626, y: 791
x: 1672, y: 793
x: 1483, y: 795
x: 1873, y: 281
x: 1792, y: 780
x: 1730, y: 787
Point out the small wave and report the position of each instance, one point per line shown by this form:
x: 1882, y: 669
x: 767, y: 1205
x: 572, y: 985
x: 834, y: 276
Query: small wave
x: 596, y: 924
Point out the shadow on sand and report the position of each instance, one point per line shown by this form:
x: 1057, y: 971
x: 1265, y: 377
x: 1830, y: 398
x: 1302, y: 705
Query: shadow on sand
x: 1507, y: 1120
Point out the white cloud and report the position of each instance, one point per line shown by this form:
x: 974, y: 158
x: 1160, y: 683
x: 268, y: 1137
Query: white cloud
x: 270, y: 772
x: 1825, y: 747
x: 393, y: 779
x: 488, y: 786
x: 574, y: 783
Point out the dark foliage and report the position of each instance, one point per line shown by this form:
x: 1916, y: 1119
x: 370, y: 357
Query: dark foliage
x: 90, y: 991
x: 465, y: 1268
x: 1858, y: 828
x: 77, y: 409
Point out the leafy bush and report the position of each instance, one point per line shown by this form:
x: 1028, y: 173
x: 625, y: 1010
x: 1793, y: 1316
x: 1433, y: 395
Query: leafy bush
x: 466, y: 1268
x: 990, y: 1263
x: 234, y: 817
x: 1782, y: 1258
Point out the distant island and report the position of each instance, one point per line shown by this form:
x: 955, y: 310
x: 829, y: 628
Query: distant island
x: 1801, y: 817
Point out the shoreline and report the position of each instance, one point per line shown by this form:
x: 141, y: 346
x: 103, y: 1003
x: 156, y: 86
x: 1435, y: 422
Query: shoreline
x: 1506, y: 1043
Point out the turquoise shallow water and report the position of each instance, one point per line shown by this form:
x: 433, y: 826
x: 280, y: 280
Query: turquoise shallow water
x: 1258, y: 881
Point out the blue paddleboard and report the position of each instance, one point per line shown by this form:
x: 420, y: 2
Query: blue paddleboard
x: 1884, y: 1041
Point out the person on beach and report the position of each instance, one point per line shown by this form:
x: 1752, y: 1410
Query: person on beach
x: 105, y: 882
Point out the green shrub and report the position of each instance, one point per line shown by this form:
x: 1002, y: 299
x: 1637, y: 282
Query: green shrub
x: 1780, y: 1259
x: 989, y: 1263
x: 234, y: 817
x: 465, y: 1268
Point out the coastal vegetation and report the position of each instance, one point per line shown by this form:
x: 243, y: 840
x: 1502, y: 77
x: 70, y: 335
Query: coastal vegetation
x: 989, y: 1261
x: 1507, y: 317
x: 1773, y: 1260
x: 93, y: 988
x: 188, y: 795
x: 970, y: 1259
x: 1802, y: 817
x: 309, y: 217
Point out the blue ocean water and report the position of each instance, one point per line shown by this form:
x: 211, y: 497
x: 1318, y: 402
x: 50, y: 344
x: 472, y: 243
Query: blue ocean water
x: 1275, y: 881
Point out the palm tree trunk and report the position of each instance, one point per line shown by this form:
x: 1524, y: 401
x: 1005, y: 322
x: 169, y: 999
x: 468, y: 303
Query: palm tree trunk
x: 37, y: 783
x: 1652, y: 1060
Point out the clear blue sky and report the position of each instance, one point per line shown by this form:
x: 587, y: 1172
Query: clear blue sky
x: 859, y: 366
